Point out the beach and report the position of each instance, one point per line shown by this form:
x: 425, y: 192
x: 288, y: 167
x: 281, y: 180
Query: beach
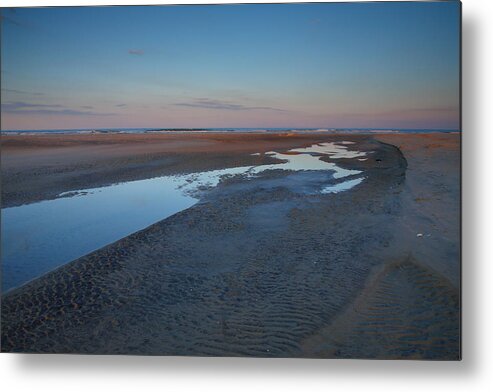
x: 41, y: 166
x: 263, y: 266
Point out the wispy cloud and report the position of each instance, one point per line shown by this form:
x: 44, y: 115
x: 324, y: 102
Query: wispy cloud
x: 14, y: 20
x: 405, y: 112
x: 20, y: 92
x: 23, y: 108
x: 14, y: 106
x: 63, y: 112
x: 9, y: 20
x: 121, y: 105
x: 136, y: 52
x: 207, y: 103
x: 432, y: 109
x: 87, y: 107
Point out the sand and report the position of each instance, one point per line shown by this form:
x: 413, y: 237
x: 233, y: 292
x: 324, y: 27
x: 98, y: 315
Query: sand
x: 40, y: 167
x: 256, y: 268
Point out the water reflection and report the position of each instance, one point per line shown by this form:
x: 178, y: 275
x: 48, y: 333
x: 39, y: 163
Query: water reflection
x: 342, y: 186
x: 39, y: 237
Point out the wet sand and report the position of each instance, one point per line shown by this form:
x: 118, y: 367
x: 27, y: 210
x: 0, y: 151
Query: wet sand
x: 257, y: 267
x: 42, y: 166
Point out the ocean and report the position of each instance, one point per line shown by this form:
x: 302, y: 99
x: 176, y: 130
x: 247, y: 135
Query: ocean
x: 249, y: 130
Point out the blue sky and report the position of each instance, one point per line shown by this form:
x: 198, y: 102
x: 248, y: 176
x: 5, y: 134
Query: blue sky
x: 371, y: 65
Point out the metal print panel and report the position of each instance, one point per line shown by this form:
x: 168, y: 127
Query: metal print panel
x: 263, y: 180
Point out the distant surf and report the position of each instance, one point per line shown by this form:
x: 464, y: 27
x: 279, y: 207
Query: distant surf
x: 212, y: 130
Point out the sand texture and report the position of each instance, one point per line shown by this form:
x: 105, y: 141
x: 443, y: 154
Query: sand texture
x: 260, y: 266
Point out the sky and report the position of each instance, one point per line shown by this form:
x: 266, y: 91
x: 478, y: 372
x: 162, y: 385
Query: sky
x: 339, y: 65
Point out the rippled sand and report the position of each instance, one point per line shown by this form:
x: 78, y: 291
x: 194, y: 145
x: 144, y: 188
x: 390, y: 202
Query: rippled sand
x: 262, y: 267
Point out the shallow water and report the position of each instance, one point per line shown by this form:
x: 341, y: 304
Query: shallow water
x: 334, y: 150
x: 301, y: 161
x: 342, y: 186
x: 39, y: 237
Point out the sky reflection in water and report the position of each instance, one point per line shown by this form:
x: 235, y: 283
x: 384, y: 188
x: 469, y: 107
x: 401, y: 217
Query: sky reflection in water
x: 38, y: 237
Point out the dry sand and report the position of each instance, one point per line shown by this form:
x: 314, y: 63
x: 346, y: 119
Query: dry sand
x: 256, y: 268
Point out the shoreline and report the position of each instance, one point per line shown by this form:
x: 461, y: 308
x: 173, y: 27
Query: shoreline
x: 36, y: 168
x: 272, y: 131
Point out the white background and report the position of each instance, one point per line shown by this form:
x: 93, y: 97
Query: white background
x: 474, y: 373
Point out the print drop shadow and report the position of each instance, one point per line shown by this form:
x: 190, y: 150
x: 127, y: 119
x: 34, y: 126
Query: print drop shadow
x: 252, y: 367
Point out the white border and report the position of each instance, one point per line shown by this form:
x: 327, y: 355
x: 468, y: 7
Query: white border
x: 91, y: 373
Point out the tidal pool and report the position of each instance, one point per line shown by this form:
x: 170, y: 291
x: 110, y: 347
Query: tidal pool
x: 342, y: 186
x: 38, y: 237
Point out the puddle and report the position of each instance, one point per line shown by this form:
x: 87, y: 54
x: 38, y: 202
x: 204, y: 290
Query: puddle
x: 302, y: 161
x: 334, y: 150
x: 342, y: 186
x: 38, y: 237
